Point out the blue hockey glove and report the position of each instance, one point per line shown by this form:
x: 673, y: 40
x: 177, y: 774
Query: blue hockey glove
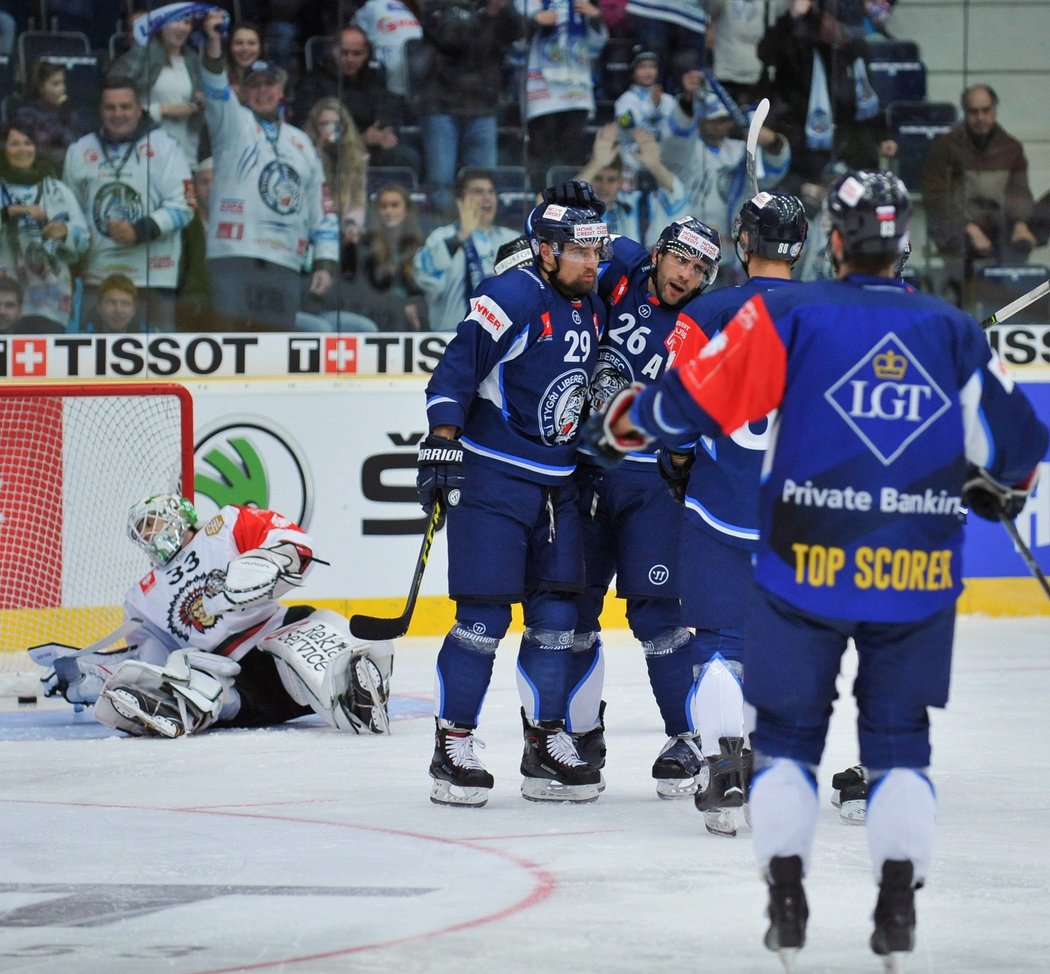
x: 675, y: 474
x: 439, y: 471
x: 575, y: 193
x: 988, y: 498
x: 597, y: 433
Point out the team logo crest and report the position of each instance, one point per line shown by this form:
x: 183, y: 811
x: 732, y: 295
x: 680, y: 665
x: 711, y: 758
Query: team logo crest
x: 281, y: 188
x: 888, y: 399
x: 116, y: 201
x: 186, y: 612
x: 611, y: 374
x: 561, y: 407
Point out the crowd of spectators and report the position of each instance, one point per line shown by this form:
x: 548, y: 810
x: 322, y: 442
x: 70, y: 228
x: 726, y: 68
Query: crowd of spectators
x: 373, y: 156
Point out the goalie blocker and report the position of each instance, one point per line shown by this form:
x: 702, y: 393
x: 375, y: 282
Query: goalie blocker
x: 319, y: 663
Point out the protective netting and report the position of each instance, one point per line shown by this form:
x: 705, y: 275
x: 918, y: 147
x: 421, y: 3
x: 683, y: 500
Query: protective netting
x: 72, y: 462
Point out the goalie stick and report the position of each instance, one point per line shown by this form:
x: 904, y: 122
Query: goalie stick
x: 757, y: 121
x: 377, y: 628
x: 1018, y: 304
x: 46, y: 653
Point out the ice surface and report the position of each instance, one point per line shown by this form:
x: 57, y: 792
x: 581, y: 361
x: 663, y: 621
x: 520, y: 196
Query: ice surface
x: 304, y: 850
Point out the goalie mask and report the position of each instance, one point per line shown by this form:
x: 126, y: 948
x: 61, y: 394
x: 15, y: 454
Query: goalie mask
x: 159, y: 525
x: 775, y: 225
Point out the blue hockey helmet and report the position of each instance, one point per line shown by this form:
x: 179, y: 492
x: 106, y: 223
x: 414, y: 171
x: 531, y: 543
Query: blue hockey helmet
x: 871, y: 209
x: 558, y: 225
x: 775, y: 224
x: 690, y: 238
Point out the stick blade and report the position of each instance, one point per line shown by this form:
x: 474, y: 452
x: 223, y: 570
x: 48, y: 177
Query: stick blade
x: 373, y: 629
x: 757, y: 121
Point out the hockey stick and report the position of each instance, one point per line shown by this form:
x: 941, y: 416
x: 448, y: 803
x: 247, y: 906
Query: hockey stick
x: 377, y: 628
x: 1018, y: 304
x: 757, y: 121
x: 46, y: 653
x: 1026, y: 553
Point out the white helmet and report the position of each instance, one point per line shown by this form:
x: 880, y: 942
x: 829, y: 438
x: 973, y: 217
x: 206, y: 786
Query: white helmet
x: 159, y: 525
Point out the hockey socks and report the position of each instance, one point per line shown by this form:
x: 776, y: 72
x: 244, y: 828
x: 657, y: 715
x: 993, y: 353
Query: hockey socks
x: 462, y: 676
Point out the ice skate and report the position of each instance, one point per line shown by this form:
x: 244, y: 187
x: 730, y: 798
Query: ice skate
x: 590, y: 745
x: 158, y: 713
x: 850, y: 794
x: 677, y: 766
x: 894, y: 934
x: 366, y: 695
x: 788, y: 911
x: 459, y: 777
x: 552, y: 768
x: 720, y: 788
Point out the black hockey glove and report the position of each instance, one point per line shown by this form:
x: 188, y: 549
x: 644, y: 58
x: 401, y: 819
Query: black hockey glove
x: 576, y: 193
x: 676, y: 475
x: 988, y: 498
x: 439, y: 473
x: 597, y: 433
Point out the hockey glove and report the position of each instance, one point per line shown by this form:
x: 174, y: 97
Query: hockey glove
x: 439, y: 474
x: 576, y: 193
x: 609, y: 447
x: 988, y: 498
x: 675, y: 468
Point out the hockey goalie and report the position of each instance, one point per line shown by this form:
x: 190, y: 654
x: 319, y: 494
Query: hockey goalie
x: 208, y: 642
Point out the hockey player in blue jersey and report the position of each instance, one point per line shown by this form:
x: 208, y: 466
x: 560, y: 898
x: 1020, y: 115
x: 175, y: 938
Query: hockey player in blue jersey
x: 718, y: 484
x: 893, y: 412
x: 627, y: 510
x: 504, y: 407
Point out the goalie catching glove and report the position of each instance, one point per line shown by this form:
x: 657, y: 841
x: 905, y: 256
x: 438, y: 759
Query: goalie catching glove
x: 598, y: 432
x: 988, y: 498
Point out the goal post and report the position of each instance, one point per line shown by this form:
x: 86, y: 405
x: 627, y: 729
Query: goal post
x: 73, y: 460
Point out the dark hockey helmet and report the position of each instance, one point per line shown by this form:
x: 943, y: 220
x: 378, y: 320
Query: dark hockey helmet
x: 775, y: 224
x: 513, y: 254
x: 690, y: 238
x: 872, y: 211
x: 558, y: 225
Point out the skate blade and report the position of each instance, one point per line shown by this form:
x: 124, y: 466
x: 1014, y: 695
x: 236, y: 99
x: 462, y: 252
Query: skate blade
x: 788, y: 957
x: 128, y: 707
x: 445, y: 793
x: 721, y: 821
x: 854, y: 812
x: 893, y: 963
x: 836, y: 797
x: 672, y: 788
x: 601, y: 782
x: 548, y: 790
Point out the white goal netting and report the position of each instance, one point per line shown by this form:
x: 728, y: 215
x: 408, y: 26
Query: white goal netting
x: 73, y: 459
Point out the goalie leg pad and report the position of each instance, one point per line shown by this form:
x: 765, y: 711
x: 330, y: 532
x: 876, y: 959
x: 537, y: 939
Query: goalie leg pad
x: 185, y: 696
x: 324, y: 667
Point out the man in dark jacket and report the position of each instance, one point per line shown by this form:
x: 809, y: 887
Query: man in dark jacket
x: 975, y: 185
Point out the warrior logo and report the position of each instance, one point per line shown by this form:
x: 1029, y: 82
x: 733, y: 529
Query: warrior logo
x: 561, y: 406
x: 612, y: 373
x: 281, y: 188
x: 186, y: 612
x: 116, y: 201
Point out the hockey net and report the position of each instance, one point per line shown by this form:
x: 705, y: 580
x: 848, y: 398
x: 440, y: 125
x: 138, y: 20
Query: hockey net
x: 73, y: 460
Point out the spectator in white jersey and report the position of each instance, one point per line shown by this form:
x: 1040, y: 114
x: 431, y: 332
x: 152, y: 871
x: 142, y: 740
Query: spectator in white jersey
x: 132, y: 179
x: 270, y: 206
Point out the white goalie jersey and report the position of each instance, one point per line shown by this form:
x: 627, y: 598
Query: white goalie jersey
x: 192, y: 601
